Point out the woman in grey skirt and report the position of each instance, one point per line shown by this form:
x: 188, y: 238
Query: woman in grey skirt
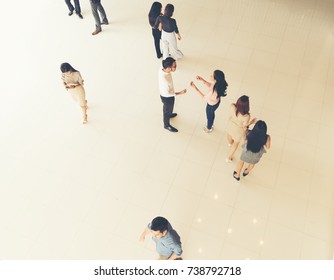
x: 253, y: 149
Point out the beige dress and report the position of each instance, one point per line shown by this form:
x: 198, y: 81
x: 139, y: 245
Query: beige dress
x: 235, y: 127
x: 74, y: 85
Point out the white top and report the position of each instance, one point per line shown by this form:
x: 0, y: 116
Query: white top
x: 74, y: 79
x: 166, y: 86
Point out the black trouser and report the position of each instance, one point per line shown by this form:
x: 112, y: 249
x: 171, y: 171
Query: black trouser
x: 157, y: 36
x: 76, y: 4
x: 167, y: 108
x: 210, y: 114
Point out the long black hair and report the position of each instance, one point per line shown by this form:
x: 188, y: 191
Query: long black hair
x: 155, y: 11
x: 221, y: 84
x: 65, y: 67
x: 257, y: 137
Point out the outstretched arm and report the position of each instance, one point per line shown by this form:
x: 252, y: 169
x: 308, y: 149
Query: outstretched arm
x: 144, y: 233
x: 196, y: 88
x: 199, y: 78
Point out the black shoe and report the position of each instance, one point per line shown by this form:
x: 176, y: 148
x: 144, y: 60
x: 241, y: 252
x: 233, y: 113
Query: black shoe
x: 159, y: 56
x: 235, y: 177
x: 171, y: 128
x: 70, y: 13
x: 105, y: 23
x: 80, y: 16
x: 173, y: 115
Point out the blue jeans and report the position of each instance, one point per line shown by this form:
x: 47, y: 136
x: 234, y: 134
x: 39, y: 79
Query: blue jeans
x: 210, y: 114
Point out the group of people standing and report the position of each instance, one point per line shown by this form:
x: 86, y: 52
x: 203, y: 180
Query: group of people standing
x: 164, y: 29
x: 96, y: 7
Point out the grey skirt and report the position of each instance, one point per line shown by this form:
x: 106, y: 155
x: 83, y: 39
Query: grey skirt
x: 250, y: 157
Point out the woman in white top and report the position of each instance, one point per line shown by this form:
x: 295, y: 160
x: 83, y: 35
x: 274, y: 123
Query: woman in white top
x: 217, y: 88
x: 238, y: 124
x: 74, y: 84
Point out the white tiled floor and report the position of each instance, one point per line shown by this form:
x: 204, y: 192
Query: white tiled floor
x: 69, y: 191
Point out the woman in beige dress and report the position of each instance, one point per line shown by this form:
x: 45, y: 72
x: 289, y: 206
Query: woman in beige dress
x: 74, y: 84
x: 238, y: 124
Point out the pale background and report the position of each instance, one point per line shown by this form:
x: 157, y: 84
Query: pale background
x: 69, y: 191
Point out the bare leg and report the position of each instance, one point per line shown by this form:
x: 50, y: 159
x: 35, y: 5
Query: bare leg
x: 240, y: 164
x: 84, y: 114
x: 233, y: 148
x: 229, y: 140
x: 249, y: 168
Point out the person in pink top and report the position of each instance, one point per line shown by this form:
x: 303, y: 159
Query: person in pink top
x: 217, y: 88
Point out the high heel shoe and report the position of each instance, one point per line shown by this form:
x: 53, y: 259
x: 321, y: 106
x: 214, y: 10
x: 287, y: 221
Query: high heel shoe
x: 244, y: 173
x: 235, y: 177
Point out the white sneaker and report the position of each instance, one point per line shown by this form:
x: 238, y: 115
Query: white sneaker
x: 207, y: 130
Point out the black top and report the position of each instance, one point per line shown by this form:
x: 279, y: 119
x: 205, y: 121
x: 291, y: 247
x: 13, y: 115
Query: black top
x: 168, y: 24
x: 152, y: 20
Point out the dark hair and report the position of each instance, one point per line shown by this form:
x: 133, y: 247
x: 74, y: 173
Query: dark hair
x: 159, y: 224
x: 257, y: 137
x: 65, y: 67
x: 242, y: 105
x: 168, y: 62
x: 169, y: 10
x: 220, y: 85
x: 155, y: 11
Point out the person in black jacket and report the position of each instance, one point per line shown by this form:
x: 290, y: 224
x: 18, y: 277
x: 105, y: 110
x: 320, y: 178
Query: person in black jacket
x: 97, y: 6
x: 152, y: 17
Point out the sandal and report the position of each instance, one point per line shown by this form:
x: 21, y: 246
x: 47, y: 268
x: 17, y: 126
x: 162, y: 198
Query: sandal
x: 244, y: 173
x: 235, y: 177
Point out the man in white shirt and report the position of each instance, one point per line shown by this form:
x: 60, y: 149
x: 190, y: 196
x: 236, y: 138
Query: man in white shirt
x: 167, y: 92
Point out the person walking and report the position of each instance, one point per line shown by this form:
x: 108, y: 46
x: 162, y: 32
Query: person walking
x: 217, y: 89
x: 97, y: 7
x: 169, y: 29
x: 74, y: 84
x: 167, y: 240
x: 167, y: 92
x: 155, y: 11
x: 257, y: 140
x: 238, y: 124
x: 71, y: 8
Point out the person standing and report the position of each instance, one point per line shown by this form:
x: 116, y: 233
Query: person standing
x: 167, y: 240
x: 74, y: 84
x: 257, y: 139
x: 167, y: 92
x: 217, y: 89
x: 169, y: 29
x: 238, y: 124
x: 155, y: 11
x: 97, y: 7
